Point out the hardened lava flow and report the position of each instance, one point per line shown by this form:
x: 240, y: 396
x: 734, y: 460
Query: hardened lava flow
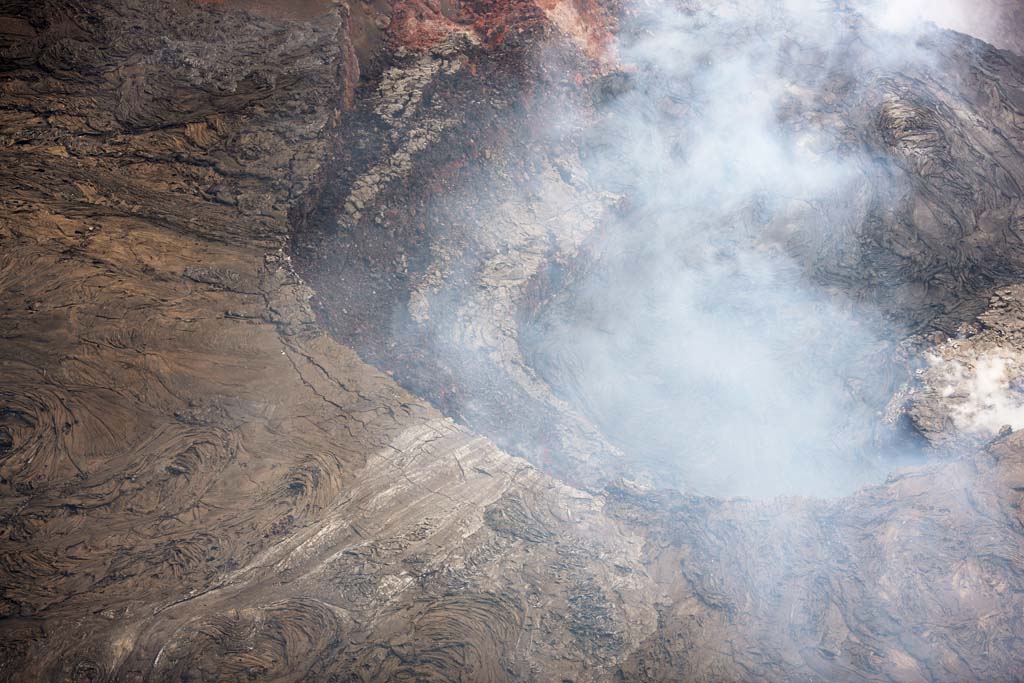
x: 540, y: 340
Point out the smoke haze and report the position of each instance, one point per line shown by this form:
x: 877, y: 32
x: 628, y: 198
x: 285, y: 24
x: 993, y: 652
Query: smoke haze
x: 695, y: 340
x: 697, y: 333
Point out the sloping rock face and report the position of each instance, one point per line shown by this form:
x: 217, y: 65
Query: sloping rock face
x: 200, y: 479
x: 450, y: 198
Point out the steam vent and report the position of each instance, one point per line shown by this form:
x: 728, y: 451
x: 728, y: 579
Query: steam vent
x: 554, y: 341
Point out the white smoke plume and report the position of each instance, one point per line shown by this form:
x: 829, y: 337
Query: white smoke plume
x: 989, y: 20
x: 980, y: 393
x: 697, y: 342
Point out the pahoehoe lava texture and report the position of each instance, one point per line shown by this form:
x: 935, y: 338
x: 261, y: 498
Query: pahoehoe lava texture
x: 200, y: 479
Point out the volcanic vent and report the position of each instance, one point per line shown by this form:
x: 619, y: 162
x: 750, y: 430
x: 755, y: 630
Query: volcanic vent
x: 710, y: 257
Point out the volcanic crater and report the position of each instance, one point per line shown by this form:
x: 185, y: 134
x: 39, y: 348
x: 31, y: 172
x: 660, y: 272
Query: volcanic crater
x: 540, y: 340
